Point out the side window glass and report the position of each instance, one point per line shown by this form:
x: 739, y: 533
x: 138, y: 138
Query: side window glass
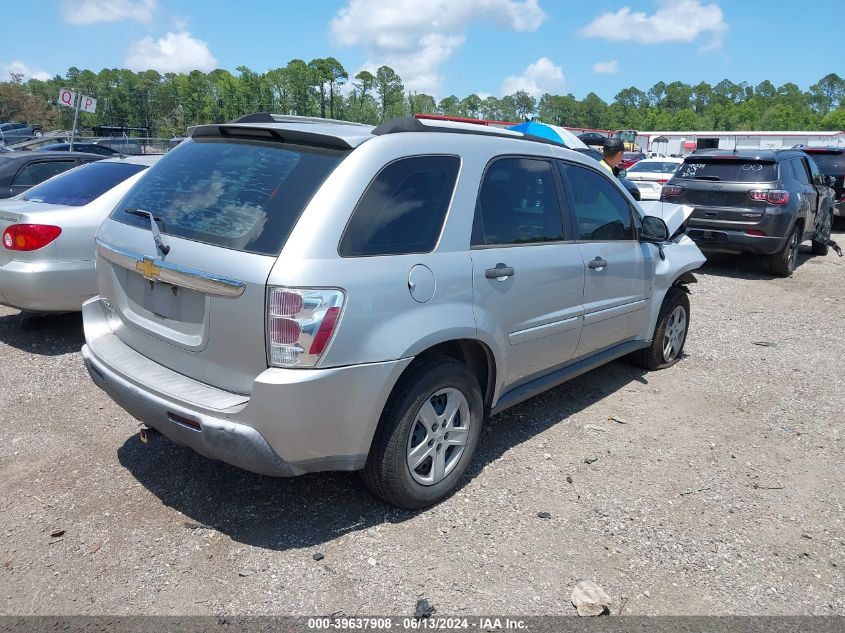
x: 403, y: 209
x: 35, y: 173
x: 603, y: 213
x: 800, y: 171
x: 814, y: 170
x: 517, y: 204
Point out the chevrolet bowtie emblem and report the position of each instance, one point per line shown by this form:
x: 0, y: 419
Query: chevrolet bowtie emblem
x: 148, y: 268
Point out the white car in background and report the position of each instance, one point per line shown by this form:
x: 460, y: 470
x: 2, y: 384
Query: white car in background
x: 47, y: 248
x: 650, y: 174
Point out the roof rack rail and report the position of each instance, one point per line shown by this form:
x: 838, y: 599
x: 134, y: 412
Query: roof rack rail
x: 413, y: 124
x: 267, y: 117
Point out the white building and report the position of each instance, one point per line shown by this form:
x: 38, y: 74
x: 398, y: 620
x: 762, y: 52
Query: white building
x: 682, y: 143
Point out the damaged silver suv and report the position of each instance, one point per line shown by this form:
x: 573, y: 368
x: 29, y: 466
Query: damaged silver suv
x: 291, y: 295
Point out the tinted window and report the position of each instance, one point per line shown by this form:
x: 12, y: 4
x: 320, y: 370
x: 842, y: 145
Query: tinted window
x: 602, y: 211
x: 80, y: 186
x: 517, y: 204
x: 816, y: 175
x: 403, y: 209
x: 36, y: 173
x: 696, y: 168
x: 234, y: 194
x: 800, y: 171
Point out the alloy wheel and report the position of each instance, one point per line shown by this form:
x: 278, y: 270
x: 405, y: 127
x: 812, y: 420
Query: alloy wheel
x: 438, y: 436
x: 673, y: 336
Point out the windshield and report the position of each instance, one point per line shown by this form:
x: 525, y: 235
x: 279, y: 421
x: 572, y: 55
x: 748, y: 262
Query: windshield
x: 659, y: 167
x: 729, y: 170
x: 80, y: 186
x: 230, y: 193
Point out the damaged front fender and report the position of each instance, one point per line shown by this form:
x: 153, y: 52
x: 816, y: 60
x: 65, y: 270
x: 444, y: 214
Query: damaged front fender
x: 681, y: 255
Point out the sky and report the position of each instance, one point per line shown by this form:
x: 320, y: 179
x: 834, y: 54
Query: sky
x: 441, y: 47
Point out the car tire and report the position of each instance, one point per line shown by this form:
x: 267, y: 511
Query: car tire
x: 784, y: 261
x: 670, y: 333
x: 821, y: 247
x: 423, y: 399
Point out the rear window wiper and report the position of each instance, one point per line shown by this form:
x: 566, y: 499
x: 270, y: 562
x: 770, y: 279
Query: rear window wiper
x: 154, y: 227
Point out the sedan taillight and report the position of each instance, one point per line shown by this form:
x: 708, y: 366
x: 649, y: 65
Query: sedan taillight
x: 300, y: 324
x: 29, y: 237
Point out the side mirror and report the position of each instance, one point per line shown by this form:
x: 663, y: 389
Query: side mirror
x: 654, y: 230
x: 830, y: 181
x: 623, y: 173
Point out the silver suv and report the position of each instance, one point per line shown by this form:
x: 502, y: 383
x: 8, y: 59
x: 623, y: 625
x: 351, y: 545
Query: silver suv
x: 290, y: 295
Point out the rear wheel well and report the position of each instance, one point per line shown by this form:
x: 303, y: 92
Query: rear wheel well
x: 476, y: 356
x: 799, y: 223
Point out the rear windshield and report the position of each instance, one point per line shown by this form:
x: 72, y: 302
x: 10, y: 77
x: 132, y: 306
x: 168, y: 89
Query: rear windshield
x: 829, y: 163
x: 80, y: 186
x: 728, y: 170
x: 657, y: 167
x: 236, y: 194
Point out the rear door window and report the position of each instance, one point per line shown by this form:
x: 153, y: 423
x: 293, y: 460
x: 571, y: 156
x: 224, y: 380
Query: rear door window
x: 403, y: 209
x: 80, y: 186
x: 36, y: 173
x: 518, y: 204
x: 235, y: 194
x: 602, y: 211
x: 800, y: 171
x: 728, y: 170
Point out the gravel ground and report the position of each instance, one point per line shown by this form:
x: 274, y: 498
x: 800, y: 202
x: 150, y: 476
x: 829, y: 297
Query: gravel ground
x: 721, y: 493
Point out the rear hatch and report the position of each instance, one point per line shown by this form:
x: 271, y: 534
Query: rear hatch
x: 718, y: 188
x: 224, y: 206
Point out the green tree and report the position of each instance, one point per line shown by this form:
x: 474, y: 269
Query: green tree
x: 389, y: 89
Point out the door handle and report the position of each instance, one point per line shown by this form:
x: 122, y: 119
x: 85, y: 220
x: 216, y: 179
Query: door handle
x: 500, y: 272
x: 597, y: 263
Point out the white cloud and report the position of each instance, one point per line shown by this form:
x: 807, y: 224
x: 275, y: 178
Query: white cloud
x: 538, y: 78
x: 18, y: 67
x: 416, y: 38
x: 674, y: 21
x: 606, y: 68
x: 173, y: 53
x: 94, y: 11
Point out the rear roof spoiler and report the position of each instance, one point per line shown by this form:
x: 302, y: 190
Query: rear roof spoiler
x: 274, y: 134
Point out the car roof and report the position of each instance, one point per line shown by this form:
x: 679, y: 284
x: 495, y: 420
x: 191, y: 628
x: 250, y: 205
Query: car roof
x: 133, y: 159
x: 23, y: 155
x: 773, y: 155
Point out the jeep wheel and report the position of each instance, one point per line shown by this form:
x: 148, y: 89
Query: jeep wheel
x: 427, y: 434
x: 670, y: 333
x: 784, y: 261
x: 820, y: 245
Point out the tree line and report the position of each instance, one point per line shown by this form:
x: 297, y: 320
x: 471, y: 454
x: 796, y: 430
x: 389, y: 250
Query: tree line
x: 166, y: 104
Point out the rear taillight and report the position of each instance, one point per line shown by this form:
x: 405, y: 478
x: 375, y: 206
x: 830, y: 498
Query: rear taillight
x: 670, y: 191
x: 772, y: 196
x: 29, y: 237
x: 300, y: 324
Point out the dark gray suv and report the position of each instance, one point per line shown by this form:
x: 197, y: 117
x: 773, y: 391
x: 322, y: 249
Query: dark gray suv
x: 764, y: 202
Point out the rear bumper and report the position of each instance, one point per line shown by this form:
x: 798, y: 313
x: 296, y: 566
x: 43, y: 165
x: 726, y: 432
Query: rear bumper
x: 294, y: 421
x: 47, y: 286
x: 733, y: 241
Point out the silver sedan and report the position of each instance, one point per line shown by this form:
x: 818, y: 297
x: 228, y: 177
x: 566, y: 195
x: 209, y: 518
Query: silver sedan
x: 47, y: 251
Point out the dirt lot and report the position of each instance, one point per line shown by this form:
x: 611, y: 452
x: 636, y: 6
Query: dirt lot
x: 722, y: 493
